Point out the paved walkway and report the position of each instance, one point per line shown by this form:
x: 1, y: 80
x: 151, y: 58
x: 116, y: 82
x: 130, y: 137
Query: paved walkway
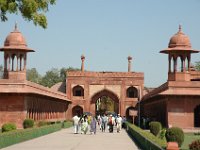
x: 66, y: 140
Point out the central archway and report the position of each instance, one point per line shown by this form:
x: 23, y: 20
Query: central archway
x: 105, y: 102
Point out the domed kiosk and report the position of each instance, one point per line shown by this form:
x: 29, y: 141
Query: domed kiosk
x: 177, y: 101
x: 179, y: 47
x: 15, y: 55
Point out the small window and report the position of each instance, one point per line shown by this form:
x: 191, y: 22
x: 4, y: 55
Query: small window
x: 132, y: 92
x: 78, y: 91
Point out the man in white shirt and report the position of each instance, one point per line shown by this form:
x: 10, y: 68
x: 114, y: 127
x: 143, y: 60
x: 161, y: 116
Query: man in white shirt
x: 119, y: 122
x: 76, y: 121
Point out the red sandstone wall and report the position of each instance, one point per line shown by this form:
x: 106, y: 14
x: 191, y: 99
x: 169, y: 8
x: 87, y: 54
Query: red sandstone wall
x: 181, y: 111
x: 155, y: 110
x: 12, y: 109
x: 85, y: 82
x: 45, y: 108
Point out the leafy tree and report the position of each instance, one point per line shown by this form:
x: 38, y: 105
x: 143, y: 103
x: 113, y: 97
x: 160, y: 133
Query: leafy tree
x: 33, y: 76
x: 1, y: 71
x: 51, y: 78
x: 197, y: 65
x: 64, y: 70
x: 31, y: 10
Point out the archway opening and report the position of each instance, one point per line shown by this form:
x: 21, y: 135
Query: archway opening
x: 106, y: 102
x: 197, y: 116
x: 78, y: 91
x: 77, y: 110
x: 132, y: 92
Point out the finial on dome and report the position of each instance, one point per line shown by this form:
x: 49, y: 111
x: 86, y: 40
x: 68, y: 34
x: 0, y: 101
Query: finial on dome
x: 82, y: 57
x: 129, y: 58
x: 15, y: 25
x: 180, y: 28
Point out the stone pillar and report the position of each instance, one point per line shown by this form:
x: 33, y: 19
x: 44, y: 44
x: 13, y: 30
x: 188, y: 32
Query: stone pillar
x: 189, y: 59
x: 129, y: 63
x: 9, y: 62
x: 25, y: 58
x: 82, y: 64
x: 184, y: 68
x: 13, y: 63
x: 5, y: 62
x: 169, y: 59
x: 17, y: 67
x: 20, y: 66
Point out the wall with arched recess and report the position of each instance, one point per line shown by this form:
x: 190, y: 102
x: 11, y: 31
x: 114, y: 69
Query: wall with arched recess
x: 98, y: 95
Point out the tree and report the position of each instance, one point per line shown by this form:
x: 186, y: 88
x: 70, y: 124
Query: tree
x: 51, y: 78
x: 1, y: 72
x: 197, y: 65
x: 31, y: 10
x: 64, y: 70
x: 33, y: 76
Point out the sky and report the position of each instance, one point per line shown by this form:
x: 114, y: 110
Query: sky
x: 107, y: 32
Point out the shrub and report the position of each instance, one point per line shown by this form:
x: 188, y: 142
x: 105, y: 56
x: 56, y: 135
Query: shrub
x: 162, y: 134
x: 155, y: 127
x: 67, y: 124
x: 195, y: 145
x: 8, y: 127
x: 58, y: 121
x: 175, y: 134
x: 28, y: 123
x: 9, y: 138
x: 145, y: 139
x: 42, y: 123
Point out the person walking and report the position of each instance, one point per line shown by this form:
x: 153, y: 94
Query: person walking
x: 111, y: 123
x: 84, y: 127
x: 93, y: 125
x: 76, y: 123
x: 104, y: 122
x: 119, y: 123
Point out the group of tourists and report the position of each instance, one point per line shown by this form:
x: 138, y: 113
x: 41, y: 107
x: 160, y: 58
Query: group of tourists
x: 109, y: 122
x: 85, y: 123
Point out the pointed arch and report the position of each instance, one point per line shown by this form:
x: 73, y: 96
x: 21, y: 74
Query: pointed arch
x: 77, y: 110
x: 104, y: 92
x: 132, y: 92
x: 78, y: 91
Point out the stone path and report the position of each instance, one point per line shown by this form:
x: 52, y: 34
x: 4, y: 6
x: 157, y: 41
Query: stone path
x: 66, y: 140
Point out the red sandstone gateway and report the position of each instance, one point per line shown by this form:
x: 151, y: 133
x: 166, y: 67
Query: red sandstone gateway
x: 175, y: 103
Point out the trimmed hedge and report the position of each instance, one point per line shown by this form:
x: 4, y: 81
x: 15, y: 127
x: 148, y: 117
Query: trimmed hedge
x: 43, y: 123
x: 10, y: 138
x: 8, y: 127
x: 145, y: 139
x: 28, y: 123
x: 67, y: 124
x: 175, y: 134
x: 155, y: 127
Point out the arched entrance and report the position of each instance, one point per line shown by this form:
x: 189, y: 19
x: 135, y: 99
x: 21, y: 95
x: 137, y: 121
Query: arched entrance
x: 77, y: 110
x: 197, y: 116
x: 105, y: 102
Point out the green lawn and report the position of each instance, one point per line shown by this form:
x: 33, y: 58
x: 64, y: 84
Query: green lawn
x: 189, y: 137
